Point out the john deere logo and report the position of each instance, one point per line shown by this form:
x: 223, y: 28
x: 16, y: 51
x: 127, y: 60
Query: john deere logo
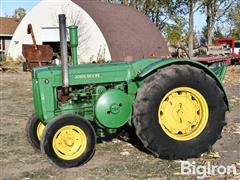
x: 87, y: 76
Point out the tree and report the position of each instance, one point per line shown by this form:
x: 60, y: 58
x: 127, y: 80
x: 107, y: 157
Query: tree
x: 188, y: 7
x: 19, y: 13
x: 217, y: 33
x: 233, y: 16
x: 168, y: 17
x: 159, y: 12
x: 195, y: 40
x: 203, y: 38
x: 175, y: 32
x: 215, y: 10
x: 163, y: 13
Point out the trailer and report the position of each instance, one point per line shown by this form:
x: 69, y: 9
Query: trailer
x: 234, y: 46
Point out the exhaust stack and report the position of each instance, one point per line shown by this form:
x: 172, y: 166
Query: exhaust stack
x: 64, y: 53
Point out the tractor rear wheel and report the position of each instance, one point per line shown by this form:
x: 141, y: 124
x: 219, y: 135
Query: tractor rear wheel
x: 34, y: 130
x: 179, y: 112
x: 68, y: 141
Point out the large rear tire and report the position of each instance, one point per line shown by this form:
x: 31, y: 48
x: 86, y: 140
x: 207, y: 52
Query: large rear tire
x: 68, y: 141
x: 179, y: 112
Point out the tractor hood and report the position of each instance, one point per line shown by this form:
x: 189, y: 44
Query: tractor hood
x: 116, y: 71
x: 94, y: 73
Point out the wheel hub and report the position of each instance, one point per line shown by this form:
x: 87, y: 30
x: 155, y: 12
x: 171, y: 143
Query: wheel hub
x: 69, y: 142
x: 183, y: 113
x: 40, y: 129
x: 115, y: 109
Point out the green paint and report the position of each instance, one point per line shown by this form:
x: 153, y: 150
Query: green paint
x: 113, y: 83
x: 216, y: 73
x: 74, y: 42
x: 113, y: 109
x: 220, y: 71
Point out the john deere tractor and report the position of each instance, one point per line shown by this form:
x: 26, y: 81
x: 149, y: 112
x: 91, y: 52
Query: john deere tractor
x: 176, y: 106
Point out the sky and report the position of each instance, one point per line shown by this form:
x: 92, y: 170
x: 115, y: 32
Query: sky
x: 7, y: 7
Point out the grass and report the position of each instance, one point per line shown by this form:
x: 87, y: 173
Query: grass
x: 11, y: 64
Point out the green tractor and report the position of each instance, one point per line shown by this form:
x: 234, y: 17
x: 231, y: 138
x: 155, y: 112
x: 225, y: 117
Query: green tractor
x: 177, y: 107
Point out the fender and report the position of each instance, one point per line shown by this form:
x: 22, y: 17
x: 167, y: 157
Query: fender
x: 150, y: 69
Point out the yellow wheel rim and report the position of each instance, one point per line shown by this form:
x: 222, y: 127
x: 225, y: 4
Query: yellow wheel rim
x: 40, y: 129
x: 183, y: 113
x: 69, y: 142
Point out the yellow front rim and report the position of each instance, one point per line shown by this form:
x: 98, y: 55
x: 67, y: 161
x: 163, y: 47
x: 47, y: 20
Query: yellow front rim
x: 40, y: 129
x: 183, y: 113
x: 69, y: 142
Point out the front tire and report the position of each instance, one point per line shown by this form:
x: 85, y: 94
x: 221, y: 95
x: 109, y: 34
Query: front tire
x: 179, y: 112
x: 34, y: 130
x: 68, y: 141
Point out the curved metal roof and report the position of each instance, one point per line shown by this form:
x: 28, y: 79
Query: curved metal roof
x: 128, y: 32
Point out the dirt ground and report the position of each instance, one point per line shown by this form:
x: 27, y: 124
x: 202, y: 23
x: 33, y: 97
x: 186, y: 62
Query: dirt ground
x: 113, y: 160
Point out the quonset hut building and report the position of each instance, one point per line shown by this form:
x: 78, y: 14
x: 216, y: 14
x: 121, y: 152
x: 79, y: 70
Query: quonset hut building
x: 115, y: 31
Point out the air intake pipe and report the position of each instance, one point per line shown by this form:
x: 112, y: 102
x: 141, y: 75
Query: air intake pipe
x: 73, y: 31
x: 64, y: 53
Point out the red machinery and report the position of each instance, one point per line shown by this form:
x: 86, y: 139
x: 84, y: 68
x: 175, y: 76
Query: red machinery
x: 35, y: 55
x: 229, y: 41
x: 235, y: 48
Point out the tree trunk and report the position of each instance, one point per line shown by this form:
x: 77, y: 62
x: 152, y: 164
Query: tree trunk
x: 209, y: 35
x: 208, y: 21
x: 211, y: 18
x: 190, y: 40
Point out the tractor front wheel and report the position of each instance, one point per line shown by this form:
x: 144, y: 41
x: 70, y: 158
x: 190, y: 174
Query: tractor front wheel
x: 34, y: 130
x: 68, y: 141
x: 179, y: 112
